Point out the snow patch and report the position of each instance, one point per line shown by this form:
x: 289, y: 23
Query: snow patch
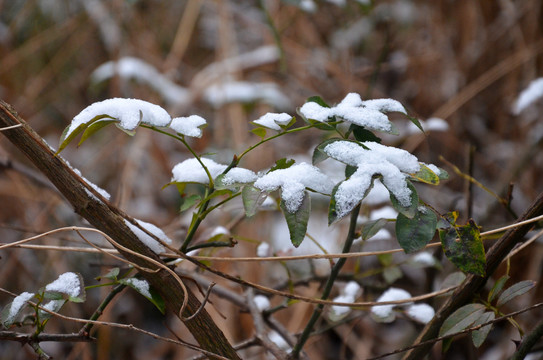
x: 16, y: 306
x: 188, y: 126
x: 273, y: 120
x: 149, y: 241
x: 191, y: 170
x: 142, y: 286
x: 67, y: 283
x: 528, y: 96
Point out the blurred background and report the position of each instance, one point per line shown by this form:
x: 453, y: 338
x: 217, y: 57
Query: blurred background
x: 459, y: 66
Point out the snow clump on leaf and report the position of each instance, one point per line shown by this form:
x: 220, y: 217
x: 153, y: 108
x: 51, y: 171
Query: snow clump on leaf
x: 191, y: 171
x: 368, y: 114
x: 384, y: 313
x: 188, y: 126
x: 67, y: 283
x: 293, y: 181
x: 273, y: 120
x: 129, y: 112
x: 371, y: 159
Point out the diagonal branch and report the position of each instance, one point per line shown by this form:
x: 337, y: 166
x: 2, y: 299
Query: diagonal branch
x: 110, y: 220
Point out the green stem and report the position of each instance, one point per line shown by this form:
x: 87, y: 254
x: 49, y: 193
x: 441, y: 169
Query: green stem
x: 200, y: 216
x: 328, y: 287
x: 98, y: 312
x: 212, y: 244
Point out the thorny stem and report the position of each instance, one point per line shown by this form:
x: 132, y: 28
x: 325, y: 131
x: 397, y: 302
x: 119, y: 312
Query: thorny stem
x: 328, y: 287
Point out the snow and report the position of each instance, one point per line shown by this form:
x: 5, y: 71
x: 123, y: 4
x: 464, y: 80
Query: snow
x: 293, y: 181
x: 422, y: 313
x: 129, y: 113
x: 245, y: 92
x: 528, y: 96
x: 434, y: 168
x: 273, y: 120
x: 139, y: 70
x: 262, y: 303
x: 263, y: 249
x: 436, y: 124
x: 17, y: 305
x: 389, y: 162
x: 278, y: 340
x: 67, y: 283
x: 142, y: 286
x: 347, y: 295
x: 368, y: 114
x: 424, y: 258
x: 53, y: 305
x: 385, y: 312
x: 191, y: 170
x: 219, y: 230
x: 150, y: 242
x: 96, y: 188
x: 188, y: 126
x: 382, y: 234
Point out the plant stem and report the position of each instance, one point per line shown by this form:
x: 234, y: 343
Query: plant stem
x: 328, y: 287
x: 99, y: 311
x: 528, y: 342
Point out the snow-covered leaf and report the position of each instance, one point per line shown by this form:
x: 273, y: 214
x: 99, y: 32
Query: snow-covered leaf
x: 385, y: 313
x: 368, y: 114
x: 93, y: 128
x: 11, y: 311
x: 69, y: 284
x: 409, y: 210
x: 297, y: 220
x: 143, y: 287
x: 515, y: 290
x: 191, y: 171
x: 189, y: 126
x: 275, y: 121
x: 293, y: 181
x: 52, y: 305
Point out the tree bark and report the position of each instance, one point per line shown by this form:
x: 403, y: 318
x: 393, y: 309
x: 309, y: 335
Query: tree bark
x: 473, y: 284
x: 110, y: 220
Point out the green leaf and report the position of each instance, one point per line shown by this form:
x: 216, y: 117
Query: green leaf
x: 447, y: 220
x: 479, y: 336
x: 361, y: 134
x: 289, y: 124
x: 497, y: 288
x: 443, y: 174
x: 416, y: 122
x: 414, y: 234
x: 514, y: 291
x: 319, y: 154
x: 385, y: 259
x: 463, y: 247
x: 318, y: 100
x: 65, y: 139
x: 143, y: 288
x: 188, y: 201
x: 461, y: 319
x: 280, y: 164
x: 93, y: 128
x: 426, y: 175
x: 371, y: 228
x: 453, y: 279
x: 297, y: 222
x: 111, y: 275
x: 332, y: 213
x: 260, y: 132
x: 350, y: 170
x: 252, y: 198
x: 411, y: 210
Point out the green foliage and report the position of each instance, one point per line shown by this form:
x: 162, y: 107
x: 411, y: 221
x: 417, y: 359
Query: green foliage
x: 514, y: 291
x: 415, y: 233
x: 464, y: 248
x: 149, y: 293
x: 408, y: 211
x: 297, y: 221
x: 252, y: 199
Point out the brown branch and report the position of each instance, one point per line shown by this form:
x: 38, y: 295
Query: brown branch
x: 28, y: 338
x: 109, y: 219
x: 473, y: 284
